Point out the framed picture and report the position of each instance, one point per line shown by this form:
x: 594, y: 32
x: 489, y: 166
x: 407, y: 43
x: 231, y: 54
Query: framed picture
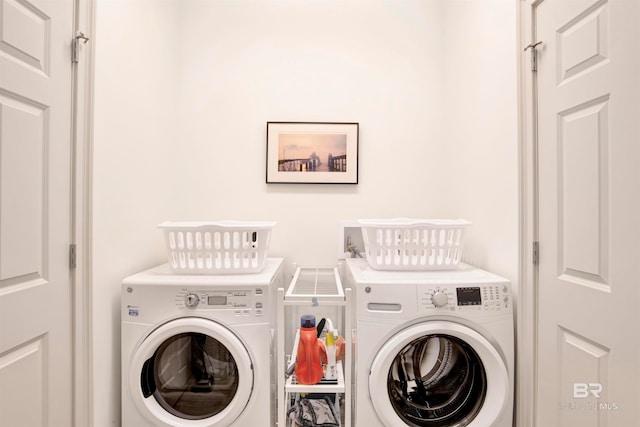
x: 312, y: 153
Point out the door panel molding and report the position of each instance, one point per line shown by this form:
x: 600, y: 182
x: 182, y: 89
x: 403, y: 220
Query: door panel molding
x: 24, y: 208
x: 20, y: 17
x: 583, y: 143
x: 26, y: 361
x: 591, y: 24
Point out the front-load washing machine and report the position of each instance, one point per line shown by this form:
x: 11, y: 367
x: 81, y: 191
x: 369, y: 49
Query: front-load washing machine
x: 196, y: 349
x: 433, y: 348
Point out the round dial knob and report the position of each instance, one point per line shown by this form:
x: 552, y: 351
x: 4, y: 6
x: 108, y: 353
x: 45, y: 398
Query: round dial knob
x: 191, y: 300
x: 439, y: 299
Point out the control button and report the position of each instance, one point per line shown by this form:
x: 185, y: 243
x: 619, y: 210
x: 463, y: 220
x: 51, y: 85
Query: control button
x: 258, y: 291
x: 439, y: 299
x: 191, y: 300
x: 258, y: 305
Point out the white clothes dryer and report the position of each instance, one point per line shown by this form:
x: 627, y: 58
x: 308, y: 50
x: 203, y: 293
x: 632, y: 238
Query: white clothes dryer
x: 432, y: 349
x: 196, y: 349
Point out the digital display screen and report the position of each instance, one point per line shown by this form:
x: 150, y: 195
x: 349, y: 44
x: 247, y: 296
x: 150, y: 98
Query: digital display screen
x: 217, y: 300
x: 469, y: 296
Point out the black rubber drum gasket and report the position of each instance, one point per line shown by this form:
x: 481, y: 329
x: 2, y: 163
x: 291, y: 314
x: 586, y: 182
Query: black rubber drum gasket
x: 436, y: 381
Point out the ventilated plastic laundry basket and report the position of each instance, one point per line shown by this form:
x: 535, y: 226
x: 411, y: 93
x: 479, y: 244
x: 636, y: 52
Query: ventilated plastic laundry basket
x: 221, y: 247
x: 413, y: 244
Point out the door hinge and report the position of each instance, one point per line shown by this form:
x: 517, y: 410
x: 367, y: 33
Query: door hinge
x: 534, y: 55
x: 535, y: 253
x: 72, y: 256
x: 75, y: 46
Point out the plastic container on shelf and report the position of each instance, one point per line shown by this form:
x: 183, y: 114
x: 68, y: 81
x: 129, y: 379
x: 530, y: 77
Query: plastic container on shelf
x: 309, y: 368
x: 217, y: 247
x: 330, y: 348
x: 413, y: 244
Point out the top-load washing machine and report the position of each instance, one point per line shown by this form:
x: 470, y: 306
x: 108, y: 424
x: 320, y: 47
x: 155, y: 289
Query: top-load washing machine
x: 196, y: 349
x: 433, y: 348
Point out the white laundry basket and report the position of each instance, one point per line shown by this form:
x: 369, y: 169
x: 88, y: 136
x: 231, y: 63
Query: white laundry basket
x: 413, y: 244
x: 221, y: 247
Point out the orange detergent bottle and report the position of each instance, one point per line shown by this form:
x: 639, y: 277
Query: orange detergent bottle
x: 308, y: 368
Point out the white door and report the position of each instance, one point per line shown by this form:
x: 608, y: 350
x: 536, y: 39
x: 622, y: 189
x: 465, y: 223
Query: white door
x: 35, y: 186
x: 589, y: 212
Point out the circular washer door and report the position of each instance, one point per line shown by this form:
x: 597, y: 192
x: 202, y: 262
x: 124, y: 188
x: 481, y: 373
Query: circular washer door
x: 191, y: 372
x: 436, y: 374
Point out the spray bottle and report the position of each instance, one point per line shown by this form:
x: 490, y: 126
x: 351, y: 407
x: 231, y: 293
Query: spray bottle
x: 330, y: 346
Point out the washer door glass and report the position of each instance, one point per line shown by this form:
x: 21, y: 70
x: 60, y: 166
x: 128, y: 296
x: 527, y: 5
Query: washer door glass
x: 436, y: 374
x: 191, y: 371
x: 191, y: 375
x: 437, y: 380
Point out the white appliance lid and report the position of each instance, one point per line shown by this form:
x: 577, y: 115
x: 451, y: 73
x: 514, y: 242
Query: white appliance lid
x: 162, y: 275
x: 465, y: 273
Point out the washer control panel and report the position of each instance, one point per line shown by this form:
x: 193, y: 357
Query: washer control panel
x: 242, y: 302
x: 481, y: 297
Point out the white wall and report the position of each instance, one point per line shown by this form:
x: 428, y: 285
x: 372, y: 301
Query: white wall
x: 133, y: 183
x: 479, y: 171
x: 248, y: 62
x: 184, y: 89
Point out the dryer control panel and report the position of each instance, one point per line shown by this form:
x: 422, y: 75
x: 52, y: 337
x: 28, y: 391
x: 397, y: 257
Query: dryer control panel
x: 242, y: 302
x: 481, y: 297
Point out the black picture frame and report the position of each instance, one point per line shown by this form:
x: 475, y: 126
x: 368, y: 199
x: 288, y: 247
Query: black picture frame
x: 312, y: 152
